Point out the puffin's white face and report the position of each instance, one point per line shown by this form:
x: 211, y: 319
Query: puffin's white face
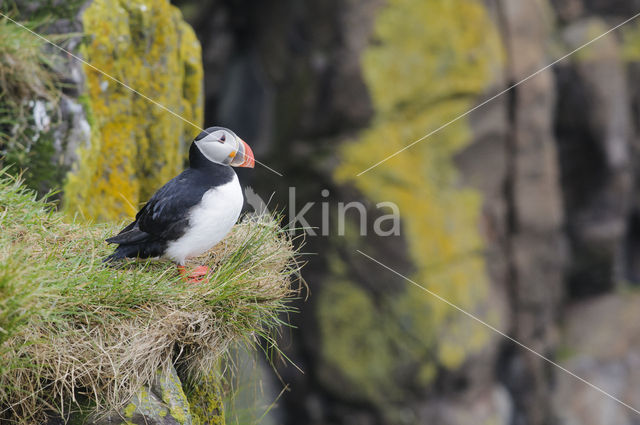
x: 222, y: 146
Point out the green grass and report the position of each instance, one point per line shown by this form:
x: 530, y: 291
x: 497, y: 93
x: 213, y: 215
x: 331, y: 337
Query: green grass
x: 28, y: 80
x: 72, y: 328
x: 26, y: 69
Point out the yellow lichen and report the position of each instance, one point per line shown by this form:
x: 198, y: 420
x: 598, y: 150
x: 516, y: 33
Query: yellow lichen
x: 631, y: 42
x: 173, y: 396
x: 129, y: 410
x: 205, y: 400
x: 431, y: 62
x: 135, y: 145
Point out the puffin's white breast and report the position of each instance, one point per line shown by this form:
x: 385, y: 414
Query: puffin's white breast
x: 209, y: 221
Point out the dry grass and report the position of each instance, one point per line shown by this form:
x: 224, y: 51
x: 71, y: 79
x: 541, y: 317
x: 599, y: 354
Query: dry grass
x: 73, y: 329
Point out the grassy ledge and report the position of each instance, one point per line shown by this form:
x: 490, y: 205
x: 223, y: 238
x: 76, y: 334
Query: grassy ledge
x: 74, y: 329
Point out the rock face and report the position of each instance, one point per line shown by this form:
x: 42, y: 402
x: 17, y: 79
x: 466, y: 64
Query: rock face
x: 135, y: 145
x: 111, y: 148
x: 535, y: 241
x: 600, y: 355
x: 519, y: 212
x: 451, y: 82
x: 163, y: 403
x: 598, y: 211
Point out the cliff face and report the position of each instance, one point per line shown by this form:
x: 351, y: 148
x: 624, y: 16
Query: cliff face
x: 521, y: 212
x: 451, y: 78
x: 111, y: 148
x: 135, y: 145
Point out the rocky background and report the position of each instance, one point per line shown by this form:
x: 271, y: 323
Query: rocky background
x: 523, y: 213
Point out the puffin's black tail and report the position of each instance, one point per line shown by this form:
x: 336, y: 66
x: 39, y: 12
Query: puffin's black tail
x: 122, y: 251
x: 145, y: 249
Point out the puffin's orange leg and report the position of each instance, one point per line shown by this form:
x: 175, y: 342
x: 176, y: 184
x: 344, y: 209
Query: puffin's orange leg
x: 182, y: 271
x: 197, y: 275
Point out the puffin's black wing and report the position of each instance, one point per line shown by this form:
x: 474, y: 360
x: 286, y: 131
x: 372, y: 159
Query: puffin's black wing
x: 164, y: 218
x: 166, y: 215
x: 129, y: 234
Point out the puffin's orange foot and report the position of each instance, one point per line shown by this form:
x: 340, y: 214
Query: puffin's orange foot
x: 199, y: 272
x: 197, y: 275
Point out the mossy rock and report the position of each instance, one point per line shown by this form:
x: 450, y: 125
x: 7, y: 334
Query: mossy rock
x: 445, y: 65
x: 135, y: 144
x: 109, y: 147
x: 165, y: 403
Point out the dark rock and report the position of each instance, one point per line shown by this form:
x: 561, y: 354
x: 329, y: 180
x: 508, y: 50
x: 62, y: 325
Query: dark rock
x: 593, y: 127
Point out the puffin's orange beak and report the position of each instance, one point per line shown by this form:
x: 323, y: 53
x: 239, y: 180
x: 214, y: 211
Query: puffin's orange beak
x: 246, y: 155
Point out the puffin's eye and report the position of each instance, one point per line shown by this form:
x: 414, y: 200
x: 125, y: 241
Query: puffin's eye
x: 223, y: 137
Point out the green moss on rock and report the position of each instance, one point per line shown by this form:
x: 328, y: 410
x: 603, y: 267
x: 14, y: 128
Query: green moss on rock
x: 354, y: 343
x: 135, y: 145
x: 206, y: 402
x: 631, y: 42
x: 431, y: 62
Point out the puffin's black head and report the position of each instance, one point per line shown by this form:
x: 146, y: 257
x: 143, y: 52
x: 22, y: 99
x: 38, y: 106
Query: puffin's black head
x: 221, y: 146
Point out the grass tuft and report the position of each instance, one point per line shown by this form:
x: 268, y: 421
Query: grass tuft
x: 30, y: 90
x: 73, y: 329
x: 25, y: 66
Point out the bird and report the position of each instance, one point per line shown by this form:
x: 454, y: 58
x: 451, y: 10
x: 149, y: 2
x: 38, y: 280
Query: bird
x: 193, y: 211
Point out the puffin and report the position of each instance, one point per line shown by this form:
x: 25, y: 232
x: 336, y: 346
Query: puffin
x: 193, y: 211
